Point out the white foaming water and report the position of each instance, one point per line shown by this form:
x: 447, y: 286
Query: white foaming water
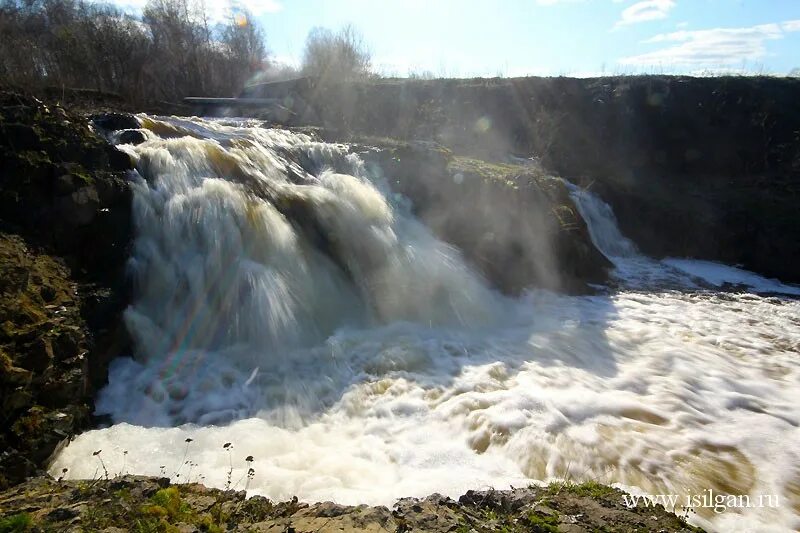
x: 286, y: 304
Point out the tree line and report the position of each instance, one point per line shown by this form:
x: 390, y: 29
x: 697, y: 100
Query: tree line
x: 172, y: 50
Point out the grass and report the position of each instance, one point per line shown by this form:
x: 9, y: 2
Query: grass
x: 159, y: 514
x: 496, y: 520
x: 16, y: 523
x: 169, y: 504
x: 511, y: 175
x: 540, y: 523
x: 588, y: 489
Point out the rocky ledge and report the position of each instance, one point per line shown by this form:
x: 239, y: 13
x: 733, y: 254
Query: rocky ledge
x: 154, y: 505
x: 64, y: 232
x: 514, y: 222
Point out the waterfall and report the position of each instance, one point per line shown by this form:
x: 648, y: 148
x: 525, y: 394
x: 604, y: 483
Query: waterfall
x: 286, y: 302
x: 253, y: 243
x: 602, y: 224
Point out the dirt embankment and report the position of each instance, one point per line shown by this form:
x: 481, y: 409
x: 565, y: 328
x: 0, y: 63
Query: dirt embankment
x: 697, y: 167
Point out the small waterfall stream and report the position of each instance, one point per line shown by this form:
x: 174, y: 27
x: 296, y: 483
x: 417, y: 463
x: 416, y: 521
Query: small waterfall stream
x: 287, y: 303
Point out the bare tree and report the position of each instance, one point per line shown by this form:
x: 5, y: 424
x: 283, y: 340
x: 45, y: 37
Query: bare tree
x: 172, y: 51
x: 335, y: 57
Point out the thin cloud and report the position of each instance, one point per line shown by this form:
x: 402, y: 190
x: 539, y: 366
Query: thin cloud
x: 713, y: 48
x: 791, y: 25
x: 646, y: 11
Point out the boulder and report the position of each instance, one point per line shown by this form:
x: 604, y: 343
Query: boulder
x: 115, y: 121
x: 132, y: 137
x: 118, y: 160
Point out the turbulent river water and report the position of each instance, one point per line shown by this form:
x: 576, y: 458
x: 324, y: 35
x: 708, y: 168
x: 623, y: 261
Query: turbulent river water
x: 286, y: 302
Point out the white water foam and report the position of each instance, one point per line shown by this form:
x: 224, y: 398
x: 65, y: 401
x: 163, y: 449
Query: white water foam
x: 377, y: 365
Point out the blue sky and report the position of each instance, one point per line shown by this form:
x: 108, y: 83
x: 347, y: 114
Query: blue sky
x: 546, y: 37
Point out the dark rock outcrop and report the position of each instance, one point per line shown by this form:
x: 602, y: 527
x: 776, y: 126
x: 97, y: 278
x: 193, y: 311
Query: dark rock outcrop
x: 131, y: 137
x: 518, y: 226
x: 65, y: 229
x: 115, y: 121
x: 43, y: 347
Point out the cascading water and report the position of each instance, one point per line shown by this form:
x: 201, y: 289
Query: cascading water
x: 602, y: 225
x: 635, y: 270
x: 289, y: 304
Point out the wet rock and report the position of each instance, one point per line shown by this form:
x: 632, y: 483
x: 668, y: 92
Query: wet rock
x: 13, y: 376
x: 115, y: 121
x: 66, y: 344
x: 64, y: 388
x: 132, y: 137
x: 118, y: 160
x: 15, y: 398
x: 47, y: 293
x: 707, y: 168
x: 43, y: 377
x: 330, y: 509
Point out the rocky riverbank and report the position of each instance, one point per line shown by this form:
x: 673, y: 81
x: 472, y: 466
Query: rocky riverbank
x: 64, y: 231
x: 154, y: 505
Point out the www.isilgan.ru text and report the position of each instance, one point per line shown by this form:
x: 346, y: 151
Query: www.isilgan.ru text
x: 707, y: 499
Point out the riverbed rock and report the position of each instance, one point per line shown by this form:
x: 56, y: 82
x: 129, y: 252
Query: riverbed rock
x: 153, y: 505
x: 132, y: 137
x: 115, y: 121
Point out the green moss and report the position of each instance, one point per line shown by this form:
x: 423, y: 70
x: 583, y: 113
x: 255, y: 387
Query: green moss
x: 16, y: 523
x: 206, y: 524
x: 34, y: 158
x: 86, y: 179
x: 5, y: 361
x: 589, y: 489
x: 152, y: 525
x: 501, y: 172
x: 168, y: 503
x: 513, y: 176
x: 123, y: 494
x: 541, y: 523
